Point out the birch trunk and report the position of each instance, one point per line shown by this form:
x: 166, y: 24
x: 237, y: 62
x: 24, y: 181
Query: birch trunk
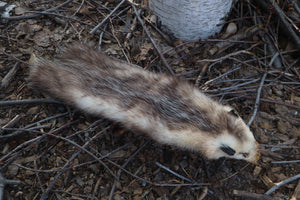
x: 190, y: 20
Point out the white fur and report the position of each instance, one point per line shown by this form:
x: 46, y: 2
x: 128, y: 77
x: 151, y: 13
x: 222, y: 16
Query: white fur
x: 248, y: 146
x: 111, y: 110
x: 199, y: 141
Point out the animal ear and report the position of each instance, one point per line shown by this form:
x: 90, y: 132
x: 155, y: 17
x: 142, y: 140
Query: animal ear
x: 228, y: 150
x: 234, y: 113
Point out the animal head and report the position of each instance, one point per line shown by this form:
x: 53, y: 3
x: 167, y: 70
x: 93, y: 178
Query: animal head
x: 235, y: 140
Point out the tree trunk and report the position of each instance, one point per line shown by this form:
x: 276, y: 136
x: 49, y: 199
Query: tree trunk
x: 190, y: 20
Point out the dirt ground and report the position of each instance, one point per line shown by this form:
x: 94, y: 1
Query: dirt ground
x: 57, y: 152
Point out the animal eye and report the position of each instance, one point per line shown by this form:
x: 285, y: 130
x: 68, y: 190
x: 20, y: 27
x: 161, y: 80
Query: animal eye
x: 234, y: 113
x: 227, y: 150
x: 245, y: 154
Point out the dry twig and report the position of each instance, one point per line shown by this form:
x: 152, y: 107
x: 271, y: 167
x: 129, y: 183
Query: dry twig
x: 28, y: 101
x: 153, y: 42
x: 9, y: 76
x: 124, y: 165
x: 256, y: 105
x: 278, y: 185
x: 81, y: 148
x: 37, y: 15
x: 172, y: 172
x: 3, y: 182
x: 251, y: 195
x: 106, y: 18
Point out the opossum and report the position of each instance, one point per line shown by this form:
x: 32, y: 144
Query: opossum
x: 166, y: 108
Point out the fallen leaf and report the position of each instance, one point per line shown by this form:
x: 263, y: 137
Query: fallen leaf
x: 145, y: 48
x: 42, y: 38
x: 283, y: 127
x: 266, y: 126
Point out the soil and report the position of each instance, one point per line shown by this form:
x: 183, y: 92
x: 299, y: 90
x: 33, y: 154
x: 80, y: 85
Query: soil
x: 58, y: 152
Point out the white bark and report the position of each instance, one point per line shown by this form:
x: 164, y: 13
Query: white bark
x: 191, y: 20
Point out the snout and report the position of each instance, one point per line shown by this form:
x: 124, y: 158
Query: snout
x: 255, y: 156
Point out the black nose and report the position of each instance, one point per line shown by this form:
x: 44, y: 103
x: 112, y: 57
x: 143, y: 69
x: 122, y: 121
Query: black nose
x: 227, y: 150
